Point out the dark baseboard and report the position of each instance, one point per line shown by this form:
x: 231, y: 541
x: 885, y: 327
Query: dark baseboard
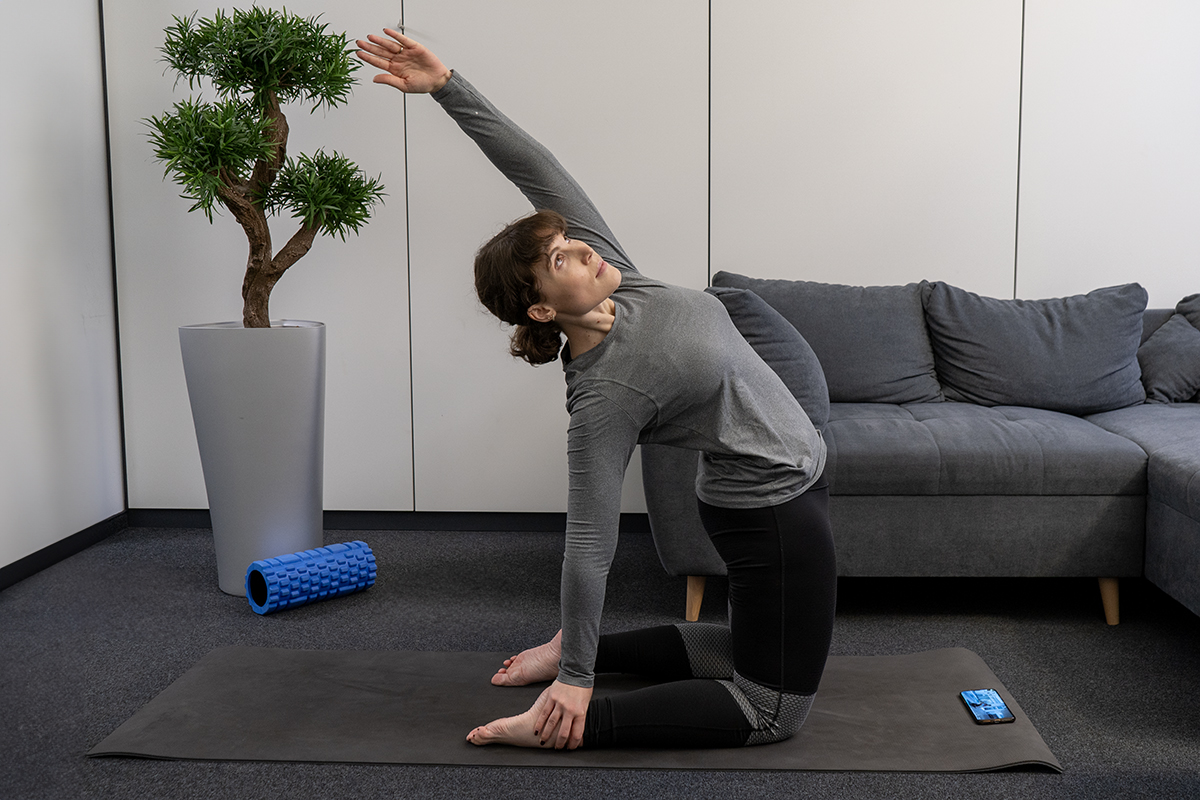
x: 169, y: 518
x: 65, y: 548
x: 393, y: 520
x: 463, y: 521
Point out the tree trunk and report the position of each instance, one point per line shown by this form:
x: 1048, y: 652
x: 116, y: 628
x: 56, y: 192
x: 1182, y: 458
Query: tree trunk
x: 256, y: 296
x: 256, y: 289
x: 245, y: 201
x: 254, y: 222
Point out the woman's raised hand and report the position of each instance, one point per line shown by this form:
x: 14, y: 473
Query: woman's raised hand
x: 408, y: 65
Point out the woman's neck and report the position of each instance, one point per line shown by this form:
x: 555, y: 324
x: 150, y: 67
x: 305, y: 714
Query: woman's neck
x: 587, y: 331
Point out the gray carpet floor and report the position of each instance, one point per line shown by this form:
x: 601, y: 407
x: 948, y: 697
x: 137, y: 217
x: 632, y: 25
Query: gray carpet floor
x: 85, y: 643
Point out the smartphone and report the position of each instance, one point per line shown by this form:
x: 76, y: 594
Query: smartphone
x: 986, y: 706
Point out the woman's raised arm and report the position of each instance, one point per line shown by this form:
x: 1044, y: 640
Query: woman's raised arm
x: 413, y: 68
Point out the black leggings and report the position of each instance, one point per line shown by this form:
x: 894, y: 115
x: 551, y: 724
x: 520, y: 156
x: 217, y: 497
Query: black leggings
x: 750, y: 683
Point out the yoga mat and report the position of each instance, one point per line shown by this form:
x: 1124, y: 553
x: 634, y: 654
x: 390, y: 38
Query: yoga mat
x: 891, y: 713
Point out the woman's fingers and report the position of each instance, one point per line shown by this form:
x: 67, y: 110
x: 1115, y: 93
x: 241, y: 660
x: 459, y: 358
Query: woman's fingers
x: 400, y: 38
x: 561, y: 727
x: 404, y: 63
x: 389, y: 79
x: 373, y: 60
x: 551, y: 727
x: 384, y: 42
x: 576, y: 737
x: 564, y: 733
x: 539, y: 724
x: 374, y: 49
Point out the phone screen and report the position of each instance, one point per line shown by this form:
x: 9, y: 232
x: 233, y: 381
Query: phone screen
x: 986, y: 706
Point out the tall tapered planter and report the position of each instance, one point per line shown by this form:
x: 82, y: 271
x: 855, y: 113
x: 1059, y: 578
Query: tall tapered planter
x: 258, y: 403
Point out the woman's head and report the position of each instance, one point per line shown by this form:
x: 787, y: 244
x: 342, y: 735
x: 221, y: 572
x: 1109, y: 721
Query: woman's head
x: 506, y: 281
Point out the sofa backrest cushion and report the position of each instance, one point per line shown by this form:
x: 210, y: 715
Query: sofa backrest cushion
x: 1190, y: 308
x: 870, y: 340
x: 1153, y: 319
x: 779, y: 344
x: 1170, y: 362
x: 1073, y: 354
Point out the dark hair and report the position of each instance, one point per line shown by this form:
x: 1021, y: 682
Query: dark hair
x: 507, y: 285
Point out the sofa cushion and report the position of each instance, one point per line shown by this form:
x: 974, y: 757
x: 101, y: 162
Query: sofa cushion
x: 1190, y: 308
x: 1154, y: 426
x: 1170, y: 433
x: 1153, y: 319
x: 1174, y: 479
x: 965, y: 449
x: 1074, y: 354
x: 871, y: 340
x: 782, y: 347
x: 1170, y: 362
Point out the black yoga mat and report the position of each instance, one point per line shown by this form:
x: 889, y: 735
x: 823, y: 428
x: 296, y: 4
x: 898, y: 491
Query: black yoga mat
x: 899, y: 713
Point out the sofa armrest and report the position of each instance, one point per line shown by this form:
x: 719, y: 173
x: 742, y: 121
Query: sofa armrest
x: 669, y: 480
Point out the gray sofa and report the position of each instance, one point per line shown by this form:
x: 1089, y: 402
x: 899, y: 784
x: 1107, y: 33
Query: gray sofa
x: 970, y: 436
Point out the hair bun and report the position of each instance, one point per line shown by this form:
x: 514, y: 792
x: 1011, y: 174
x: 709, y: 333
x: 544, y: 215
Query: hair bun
x: 536, y: 342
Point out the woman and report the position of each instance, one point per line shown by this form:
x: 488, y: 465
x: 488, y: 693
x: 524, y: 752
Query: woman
x: 647, y: 362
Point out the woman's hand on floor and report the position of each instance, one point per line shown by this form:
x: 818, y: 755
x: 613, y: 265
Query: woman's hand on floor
x: 407, y: 64
x: 563, y: 715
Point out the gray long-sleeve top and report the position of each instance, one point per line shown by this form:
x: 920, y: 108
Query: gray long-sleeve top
x: 673, y: 370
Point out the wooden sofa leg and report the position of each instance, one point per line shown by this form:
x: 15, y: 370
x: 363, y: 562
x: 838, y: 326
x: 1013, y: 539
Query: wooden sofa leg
x: 1110, y: 596
x: 695, y: 596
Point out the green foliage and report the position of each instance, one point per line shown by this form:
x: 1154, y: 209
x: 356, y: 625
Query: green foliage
x: 327, y: 192
x: 199, y: 141
x: 261, y: 53
x: 257, y: 59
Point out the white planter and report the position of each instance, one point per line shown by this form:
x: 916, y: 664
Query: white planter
x: 258, y: 402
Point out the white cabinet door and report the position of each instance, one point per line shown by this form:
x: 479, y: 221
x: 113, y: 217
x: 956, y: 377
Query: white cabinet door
x: 866, y: 141
x: 618, y: 91
x: 1110, y: 158
x: 60, y: 440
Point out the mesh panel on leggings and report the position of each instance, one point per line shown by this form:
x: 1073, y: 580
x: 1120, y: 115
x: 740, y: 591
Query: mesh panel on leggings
x: 709, y: 649
x: 773, y: 715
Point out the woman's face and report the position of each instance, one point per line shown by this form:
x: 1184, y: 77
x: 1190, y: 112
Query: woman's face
x: 573, y: 280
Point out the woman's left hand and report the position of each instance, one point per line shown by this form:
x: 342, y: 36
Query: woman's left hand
x: 406, y: 64
x: 563, y: 715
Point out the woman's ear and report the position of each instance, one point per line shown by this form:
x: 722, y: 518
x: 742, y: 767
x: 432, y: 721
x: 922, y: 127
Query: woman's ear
x: 540, y: 312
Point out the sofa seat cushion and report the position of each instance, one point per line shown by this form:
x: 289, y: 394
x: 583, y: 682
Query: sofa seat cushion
x: 965, y: 449
x: 1175, y: 479
x: 1170, y: 433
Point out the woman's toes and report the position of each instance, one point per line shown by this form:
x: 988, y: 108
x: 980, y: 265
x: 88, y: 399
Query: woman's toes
x: 517, y: 731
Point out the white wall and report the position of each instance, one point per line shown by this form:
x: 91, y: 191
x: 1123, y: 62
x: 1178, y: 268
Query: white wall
x: 60, y: 468
x: 866, y: 141
x: 1110, y: 160
x: 856, y: 141
x: 174, y: 269
x: 629, y: 122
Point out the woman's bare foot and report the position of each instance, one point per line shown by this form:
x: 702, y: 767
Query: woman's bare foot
x: 517, y: 731
x: 535, y: 664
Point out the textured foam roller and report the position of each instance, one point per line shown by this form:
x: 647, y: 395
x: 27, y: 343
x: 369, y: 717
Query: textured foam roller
x: 294, y: 579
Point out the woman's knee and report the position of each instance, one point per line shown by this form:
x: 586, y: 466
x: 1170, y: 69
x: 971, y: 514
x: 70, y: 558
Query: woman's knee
x: 773, y: 715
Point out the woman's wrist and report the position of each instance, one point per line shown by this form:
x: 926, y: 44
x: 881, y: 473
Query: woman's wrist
x: 441, y: 82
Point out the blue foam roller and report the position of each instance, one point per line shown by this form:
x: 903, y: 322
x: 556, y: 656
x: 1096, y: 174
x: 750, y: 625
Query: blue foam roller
x: 273, y: 584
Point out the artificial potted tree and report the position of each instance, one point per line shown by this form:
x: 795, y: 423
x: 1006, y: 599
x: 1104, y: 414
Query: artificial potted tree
x: 257, y: 387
